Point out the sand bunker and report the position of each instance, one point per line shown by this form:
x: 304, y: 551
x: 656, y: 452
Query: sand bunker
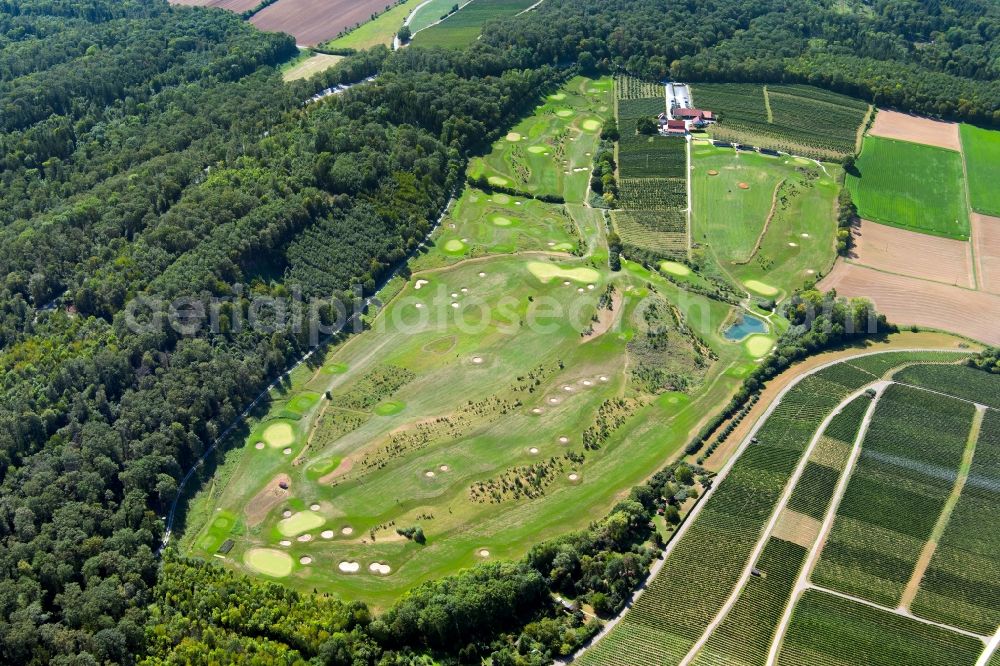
x: 429, y: 474
x: 483, y: 552
x: 302, y: 521
x: 674, y: 268
x: 455, y: 305
x: 287, y: 452
x: 314, y: 507
x: 419, y: 306
x: 713, y: 172
x: 533, y: 450
x: 285, y: 543
x: 564, y: 440
x: 481, y: 274
x: 513, y: 136
x: 603, y: 378
x: 567, y: 387
x: 591, y: 287
x: 326, y: 534
x: 305, y: 559
x: 793, y: 245
x: 349, y: 567
x: 591, y: 125
x: 444, y: 468
x: 761, y: 288
x: 536, y: 410
x: 419, y: 283
x: 477, y: 360
x: 286, y: 514
x: 574, y: 477
x: 743, y: 186
x: 546, y: 272
x: 587, y: 382
x: 347, y: 530
x: 804, y: 235
x: 305, y: 538
x: 278, y: 435
x: 553, y: 401
x: 259, y: 445
x: 379, y: 568
x: 269, y: 561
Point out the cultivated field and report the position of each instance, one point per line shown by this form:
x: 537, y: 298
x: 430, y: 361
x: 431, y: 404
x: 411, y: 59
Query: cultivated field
x: 885, y: 456
x: 463, y: 27
x: 238, y: 6
x: 916, y: 129
x: 981, y: 148
x: 765, y: 220
x: 915, y: 254
x: 312, y: 22
x: 911, y: 186
x: 314, y: 64
x: 801, y: 120
x: 906, y: 300
x: 986, y: 245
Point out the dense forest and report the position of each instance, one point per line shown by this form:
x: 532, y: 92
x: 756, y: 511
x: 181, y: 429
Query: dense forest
x: 154, y: 151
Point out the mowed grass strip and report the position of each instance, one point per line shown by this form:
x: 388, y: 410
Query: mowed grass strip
x: 912, y: 186
x: 982, y: 163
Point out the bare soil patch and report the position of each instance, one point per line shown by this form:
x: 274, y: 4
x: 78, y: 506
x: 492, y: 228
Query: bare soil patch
x: 606, y: 317
x: 906, y: 301
x: 238, y: 6
x: 797, y: 528
x: 271, y: 496
x: 911, y: 253
x: 343, y: 468
x: 906, y: 127
x: 314, y: 21
x: 986, y: 243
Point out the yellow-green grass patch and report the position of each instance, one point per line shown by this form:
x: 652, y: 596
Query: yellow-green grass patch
x: 565, y: 113
x: 563, y: 247
x: 269, y: 561
x: 323, y: 467
x: 557, y: 97
x: 498, y: 181
x: 501, y: 221
x: 758, y: 345
x: 279, y: 435
x: 591, y: 125
x: 335, y: 368
x: 675, y: 268
x: 761, y: 288
x: 513, y: 136
x: 300, y: 522
x: 538, y: 150
x: 546, y: 272
x: 318, y: 62
x: 454, y: 246
x: 390, y: 407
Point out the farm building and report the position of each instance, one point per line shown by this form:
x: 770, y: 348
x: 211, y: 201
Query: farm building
x: 694, y: 115
x: 674, y: 128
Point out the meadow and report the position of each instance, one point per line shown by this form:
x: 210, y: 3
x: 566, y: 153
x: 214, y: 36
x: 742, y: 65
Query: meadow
x: 798, y: 119
x: 981, y: 148
x: 463, y: 27
x: 767, y: 222
x: 911, y: 186
x: 380, y: 30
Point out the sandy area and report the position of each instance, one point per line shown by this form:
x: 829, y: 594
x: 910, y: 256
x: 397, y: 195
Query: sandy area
x: 906, y: 301
x: 797, y: 528
x: 315, y: 21
x: 271, y: 496
x: 986, y: 241
x: 903, y: 126
x: 914, y: 254
x: 606, y: 317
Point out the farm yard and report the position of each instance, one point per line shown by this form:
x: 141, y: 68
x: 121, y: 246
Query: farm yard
x: 912, y: 186
x: 463, y: 27
x: 313, y: 22
x: 981, y: 148
x: 766, y: 599
x: 797, y: 119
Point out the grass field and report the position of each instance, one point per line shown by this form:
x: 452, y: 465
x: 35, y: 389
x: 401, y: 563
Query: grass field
x: 981, y: 148
x: 798, y: 119
x: 463, y: 27
x: 438, y: 407
x: 312, y: 64
x: 911, y: 186
x: 728, y: 221
x: 551, y: 151
x: 431, y: 13
x: 381, y: 30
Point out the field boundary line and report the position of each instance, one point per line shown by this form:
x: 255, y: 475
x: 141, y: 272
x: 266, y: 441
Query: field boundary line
x: 767, y: 223
x: 765, y: 536
x: 719, y: 477
x: 988, y: 651
x: 930, y: 546
x: 854, y: 262
x: 767, y: 106
x: 946, y: 395
x: 896, y: 611
x: 805, y: 573
x: 690, y: 201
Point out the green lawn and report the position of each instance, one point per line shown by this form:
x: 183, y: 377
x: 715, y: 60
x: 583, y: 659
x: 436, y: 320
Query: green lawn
x: 379, y: 31
x: 463, y: 27
x: 431, y: 13
x: 912, y: 186
x: 982, y: 163
x: 728, y: 220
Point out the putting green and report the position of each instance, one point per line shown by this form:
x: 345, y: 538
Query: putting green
x: 565, y: 113
x: 454, y: 246
x: 513, y: 136
x: 547, y: 272
x: 563, y: 247
x: 279, y: 435
x: 321, y: 467
x: 389, y: 408
x: 591, y: 125
x: 557, y: 97
x: 758, y: 345
x: 300, y: 522
x: 498, y: 181
x: 538, y: 150
x: 269, y: 561
x: 501, y: 221
x: 674, y: 268
x: 501, y: 198
x: 761, y: 288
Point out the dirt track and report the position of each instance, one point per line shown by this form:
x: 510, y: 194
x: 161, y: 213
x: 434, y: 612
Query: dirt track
x: 906, y: 301
x: 238, y: 6
x: 895, y: 125
x: 915, y: 254
x: 315, y: 21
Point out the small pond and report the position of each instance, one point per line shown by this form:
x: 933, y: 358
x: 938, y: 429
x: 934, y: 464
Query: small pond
x: 746, y: 325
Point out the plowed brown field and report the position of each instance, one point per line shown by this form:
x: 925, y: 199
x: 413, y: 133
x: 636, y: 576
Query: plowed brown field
x: 915, y: 254
x: 986, y: 241
x: 314, y: 21
x: 903, y: 126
